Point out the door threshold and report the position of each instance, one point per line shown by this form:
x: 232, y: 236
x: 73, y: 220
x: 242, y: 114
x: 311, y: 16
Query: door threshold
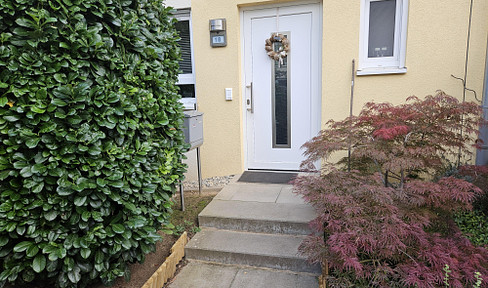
x: 268, y: 177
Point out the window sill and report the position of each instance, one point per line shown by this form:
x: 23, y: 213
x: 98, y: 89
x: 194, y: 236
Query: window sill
x: 189, y: 103
x: 381, y: 71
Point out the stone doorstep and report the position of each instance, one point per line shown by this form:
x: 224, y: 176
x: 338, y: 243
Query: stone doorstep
x: 255, y: 225
x: 263, y: 217
x: 253, y: 249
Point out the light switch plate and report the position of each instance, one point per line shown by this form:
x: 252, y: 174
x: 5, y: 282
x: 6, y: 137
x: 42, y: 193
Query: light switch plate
x: 228, y: 94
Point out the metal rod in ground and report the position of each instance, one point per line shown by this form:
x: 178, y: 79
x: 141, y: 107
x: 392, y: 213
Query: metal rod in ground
x: 199, y: 168
x: 353, y: 70
x: 182, y: 197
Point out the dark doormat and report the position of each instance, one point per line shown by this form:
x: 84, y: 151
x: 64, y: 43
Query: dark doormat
x: 267, y: 177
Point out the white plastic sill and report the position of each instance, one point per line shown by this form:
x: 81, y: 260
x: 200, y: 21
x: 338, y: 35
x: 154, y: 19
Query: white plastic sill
x: 380, y: 71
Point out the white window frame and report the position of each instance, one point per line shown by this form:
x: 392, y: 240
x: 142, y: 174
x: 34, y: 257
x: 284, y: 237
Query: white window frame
x: 188, y: 79
x: 383, y: 65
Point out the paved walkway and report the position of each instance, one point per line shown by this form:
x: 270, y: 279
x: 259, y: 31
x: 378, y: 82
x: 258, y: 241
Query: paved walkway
x: 250, y: 237
x: 211, y: 275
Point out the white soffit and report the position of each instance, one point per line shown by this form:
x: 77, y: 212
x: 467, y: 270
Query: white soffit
x: 178, y: 4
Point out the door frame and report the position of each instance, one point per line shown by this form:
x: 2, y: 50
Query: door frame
x: 316, y: 73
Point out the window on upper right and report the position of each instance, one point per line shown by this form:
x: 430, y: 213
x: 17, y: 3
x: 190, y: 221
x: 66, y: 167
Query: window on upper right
x: 383, y: 37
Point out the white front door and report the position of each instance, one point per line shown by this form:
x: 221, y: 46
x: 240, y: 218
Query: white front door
x: 282, y: 100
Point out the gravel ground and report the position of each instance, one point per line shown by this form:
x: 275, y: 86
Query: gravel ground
x: 213, y: 182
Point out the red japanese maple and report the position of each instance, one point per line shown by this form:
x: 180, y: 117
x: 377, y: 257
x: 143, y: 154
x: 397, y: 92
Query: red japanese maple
x: 387, y: 218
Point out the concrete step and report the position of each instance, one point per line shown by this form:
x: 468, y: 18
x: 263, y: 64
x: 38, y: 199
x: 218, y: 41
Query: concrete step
x: 290, y: 217
x: 252, y: 249
x: 198, y: 274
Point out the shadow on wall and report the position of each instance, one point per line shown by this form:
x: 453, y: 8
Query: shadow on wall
x: 192, y: 170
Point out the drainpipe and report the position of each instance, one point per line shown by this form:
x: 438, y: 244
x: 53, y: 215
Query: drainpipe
x: 482, y: 153
x: 467, y: 50
x: 463, y: 80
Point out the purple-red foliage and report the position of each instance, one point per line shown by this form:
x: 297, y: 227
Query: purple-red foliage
x: 478, y: 175
x: 396, y: 231
x: 420, y: 134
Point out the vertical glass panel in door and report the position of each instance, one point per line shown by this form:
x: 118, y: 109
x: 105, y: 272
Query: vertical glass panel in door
x: 281, y: 101
x: 381, y: 28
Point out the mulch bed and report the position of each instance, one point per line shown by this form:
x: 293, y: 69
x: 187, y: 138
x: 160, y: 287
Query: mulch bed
x: 188, y: 220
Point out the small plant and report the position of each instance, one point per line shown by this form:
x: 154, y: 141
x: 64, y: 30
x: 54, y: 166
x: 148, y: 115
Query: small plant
x: 178, y: 229
x: 187, y: 226
x: 168, y: 229
x: 474, y: 224
x: 479, y: 280
x: 196, y: 229
x: 446, y: 275
x: 382, y: 215
x: 477, y: 276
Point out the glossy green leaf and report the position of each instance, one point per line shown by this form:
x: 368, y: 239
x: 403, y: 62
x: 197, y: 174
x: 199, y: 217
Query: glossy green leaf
x: 20, y: 229
x: 51, y: 266
x: 69, y: 263
x: 116, y: 184
x: 6, y: 207
x: 38, y: 168
x: 101, y: 182
x: 118, y: 228
x: 61, y: 78
x: 51, y: 215
x: 3, y: 240
x: 22, y: 246
x: 32, y: 142
x: 25, y: 23
x: 64, y: 45
x: 37, y: 110
x: 32, y: 250
x: 39, y: 263
x: 86, y: 215
x: 59, y: 102
x: 85, y: 252
x: 64, y: 191
x: 79, y: 201
x: 38, y: 188
x: 11, y: 118
x: 74, y: 275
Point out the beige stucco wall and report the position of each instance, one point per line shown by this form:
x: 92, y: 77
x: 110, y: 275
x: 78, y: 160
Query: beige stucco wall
x: 436, y: 46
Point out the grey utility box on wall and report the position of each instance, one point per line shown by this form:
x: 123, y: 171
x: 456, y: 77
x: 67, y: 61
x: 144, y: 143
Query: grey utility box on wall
x: 193, y: 128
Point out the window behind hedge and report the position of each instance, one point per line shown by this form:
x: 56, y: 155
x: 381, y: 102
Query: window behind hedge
x: 186, y: 78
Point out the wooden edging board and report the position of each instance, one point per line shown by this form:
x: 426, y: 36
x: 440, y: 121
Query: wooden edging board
x: 325, y: 274
x: 168, y: 269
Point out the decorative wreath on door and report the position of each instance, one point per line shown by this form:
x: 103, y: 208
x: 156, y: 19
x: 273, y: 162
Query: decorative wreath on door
x: 283, y: 50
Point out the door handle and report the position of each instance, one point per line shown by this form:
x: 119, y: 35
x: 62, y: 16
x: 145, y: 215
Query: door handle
x: 249, y: 100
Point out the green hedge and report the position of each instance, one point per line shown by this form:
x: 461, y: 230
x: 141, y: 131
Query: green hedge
x: 91, y: 140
